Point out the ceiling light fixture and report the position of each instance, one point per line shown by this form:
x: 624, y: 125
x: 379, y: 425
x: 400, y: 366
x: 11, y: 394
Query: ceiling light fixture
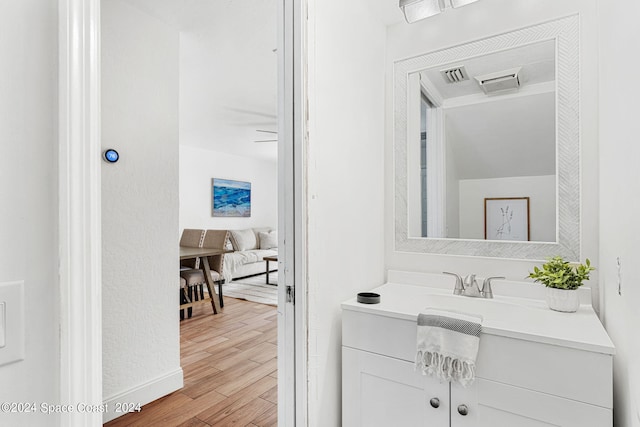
x: 415, y: 10
x: 460, y: 3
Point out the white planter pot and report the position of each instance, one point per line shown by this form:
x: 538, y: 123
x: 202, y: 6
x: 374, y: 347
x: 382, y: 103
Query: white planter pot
x: 563, y: 300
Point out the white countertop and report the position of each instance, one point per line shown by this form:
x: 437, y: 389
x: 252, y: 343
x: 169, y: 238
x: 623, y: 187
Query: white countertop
x: 521, y: 318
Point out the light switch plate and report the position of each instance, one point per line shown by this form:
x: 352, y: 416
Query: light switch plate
x: 12, y: 296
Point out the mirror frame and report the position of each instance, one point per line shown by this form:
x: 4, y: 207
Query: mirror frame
x: 565, y: 32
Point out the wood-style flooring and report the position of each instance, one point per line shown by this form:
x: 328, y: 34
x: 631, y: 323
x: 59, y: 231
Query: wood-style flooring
x: 230, y: 371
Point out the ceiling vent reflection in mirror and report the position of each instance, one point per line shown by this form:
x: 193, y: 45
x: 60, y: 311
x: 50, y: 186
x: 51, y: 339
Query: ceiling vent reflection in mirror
x: 500, y: 81
x: 455, y: 74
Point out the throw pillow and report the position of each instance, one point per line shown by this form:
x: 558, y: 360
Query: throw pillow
x: 243, y: 240
x: 259, y: 230
x: 268, y: 240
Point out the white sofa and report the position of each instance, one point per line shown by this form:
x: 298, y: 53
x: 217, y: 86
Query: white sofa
x: 249, y: 247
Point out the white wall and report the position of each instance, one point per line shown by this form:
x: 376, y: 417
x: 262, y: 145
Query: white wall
x: 28, y: 190
x: 198, y: 166
x: 141, y: 346
x: 541, y: 191
x: 619, y: 203
x: 472, y: 22
x: 345, y: 182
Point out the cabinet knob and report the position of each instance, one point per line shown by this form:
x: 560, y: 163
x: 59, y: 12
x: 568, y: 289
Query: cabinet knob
x: 463, y: 410
x: 435, y: 402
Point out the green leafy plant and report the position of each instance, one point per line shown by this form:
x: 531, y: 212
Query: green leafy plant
x: 560, y: 274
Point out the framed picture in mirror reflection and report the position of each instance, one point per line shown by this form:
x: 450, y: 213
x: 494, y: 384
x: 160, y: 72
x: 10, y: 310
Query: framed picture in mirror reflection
x: 506, y: 218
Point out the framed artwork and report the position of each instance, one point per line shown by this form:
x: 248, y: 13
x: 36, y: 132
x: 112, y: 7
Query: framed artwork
x: 230, y: 198
x: 506, y: 218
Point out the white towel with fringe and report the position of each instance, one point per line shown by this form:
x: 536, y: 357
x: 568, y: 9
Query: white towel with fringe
x: 447, y: 345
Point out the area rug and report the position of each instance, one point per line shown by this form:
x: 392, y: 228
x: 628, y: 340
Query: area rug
x: 253, y: 289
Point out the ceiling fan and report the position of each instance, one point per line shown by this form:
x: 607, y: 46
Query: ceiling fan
x: 270, y: 132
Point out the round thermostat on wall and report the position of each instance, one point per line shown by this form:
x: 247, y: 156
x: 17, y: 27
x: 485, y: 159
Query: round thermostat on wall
x: 110, y: 156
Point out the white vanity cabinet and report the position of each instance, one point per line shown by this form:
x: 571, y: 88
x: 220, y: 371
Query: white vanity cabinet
x: 384, y: 391
x: 380, y: 391
x: 522, y: 380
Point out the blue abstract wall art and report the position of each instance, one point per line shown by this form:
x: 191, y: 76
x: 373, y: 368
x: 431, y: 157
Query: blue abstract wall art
x: 231, y: 198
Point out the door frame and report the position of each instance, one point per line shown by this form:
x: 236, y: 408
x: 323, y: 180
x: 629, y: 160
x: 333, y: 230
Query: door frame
x: 79, y: 211
x: 292, y: 291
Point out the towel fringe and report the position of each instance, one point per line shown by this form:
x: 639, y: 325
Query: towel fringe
x: 446, y: 368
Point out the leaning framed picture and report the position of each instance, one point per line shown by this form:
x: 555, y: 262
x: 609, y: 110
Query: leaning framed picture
x: 506, y: 218
x: 230, y: 198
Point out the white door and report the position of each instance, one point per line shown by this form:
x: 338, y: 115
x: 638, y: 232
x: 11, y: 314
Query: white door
x: 380, y: 391
x: 492, y: 404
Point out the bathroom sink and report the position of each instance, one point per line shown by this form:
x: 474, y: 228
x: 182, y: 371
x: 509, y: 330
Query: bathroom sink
x: 487, y: 308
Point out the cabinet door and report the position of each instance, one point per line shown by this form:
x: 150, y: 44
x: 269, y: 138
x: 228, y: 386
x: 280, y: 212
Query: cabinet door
x: 493, y: 404
x: 379, y: 391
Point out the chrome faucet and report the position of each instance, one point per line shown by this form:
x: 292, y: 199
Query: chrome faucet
x: 471, y: 288
x: 468, y: 286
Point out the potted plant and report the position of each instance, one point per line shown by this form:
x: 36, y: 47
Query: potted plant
x: 562, y: 280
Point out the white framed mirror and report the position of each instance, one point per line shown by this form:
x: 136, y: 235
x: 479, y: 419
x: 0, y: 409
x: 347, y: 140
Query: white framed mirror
x: 486, y: 138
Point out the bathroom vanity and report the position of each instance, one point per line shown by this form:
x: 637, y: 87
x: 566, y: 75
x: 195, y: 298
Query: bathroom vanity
x: 535, y: 366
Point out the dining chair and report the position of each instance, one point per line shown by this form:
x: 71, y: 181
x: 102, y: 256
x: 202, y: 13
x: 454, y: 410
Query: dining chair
x: 191, y: 238
x: 190, y: 270
x: 216, y: 239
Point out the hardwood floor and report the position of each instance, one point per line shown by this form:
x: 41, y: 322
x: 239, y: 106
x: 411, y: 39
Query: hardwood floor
x: 230, y: 371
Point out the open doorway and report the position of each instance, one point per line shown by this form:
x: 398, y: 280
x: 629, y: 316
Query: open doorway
x: 81, y: 144
x: 189, y: 100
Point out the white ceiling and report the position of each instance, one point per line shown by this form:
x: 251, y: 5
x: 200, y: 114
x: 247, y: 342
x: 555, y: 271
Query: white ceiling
x: 228, y: 71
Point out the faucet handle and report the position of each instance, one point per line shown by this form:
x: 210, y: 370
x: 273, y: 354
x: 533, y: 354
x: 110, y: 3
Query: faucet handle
x: 459, y: 289
x: 487, y: 292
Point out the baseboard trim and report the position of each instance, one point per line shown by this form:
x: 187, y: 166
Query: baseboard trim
x: 144, y: 393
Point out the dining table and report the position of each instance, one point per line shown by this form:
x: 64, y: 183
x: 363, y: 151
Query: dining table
x: 203, y: 254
